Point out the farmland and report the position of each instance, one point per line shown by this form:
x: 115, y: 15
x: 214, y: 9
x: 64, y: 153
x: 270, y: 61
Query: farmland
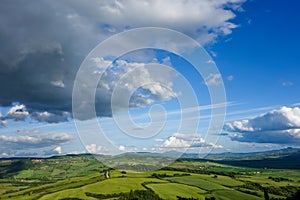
x: 84, y: 177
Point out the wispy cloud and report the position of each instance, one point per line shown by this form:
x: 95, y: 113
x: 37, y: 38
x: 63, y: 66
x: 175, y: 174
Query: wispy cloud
x: 287, y: 83
x: 230, y: 78
x: 194, y: 111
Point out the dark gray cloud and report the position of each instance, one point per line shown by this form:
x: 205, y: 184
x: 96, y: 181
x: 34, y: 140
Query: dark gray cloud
x: 40, y: 53
x: 2, y: 120
x: 42, y: 43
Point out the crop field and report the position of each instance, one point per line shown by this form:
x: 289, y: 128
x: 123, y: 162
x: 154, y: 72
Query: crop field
x: 172, y: 190
x: 198, y: 182
x: 229, y: 195
x: 83, y: 177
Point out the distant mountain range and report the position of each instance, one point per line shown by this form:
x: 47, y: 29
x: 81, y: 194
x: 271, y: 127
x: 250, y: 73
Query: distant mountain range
x: 226, y: 155
x: 287, y: 158
x: 246, y: 156
x: 272, y: 154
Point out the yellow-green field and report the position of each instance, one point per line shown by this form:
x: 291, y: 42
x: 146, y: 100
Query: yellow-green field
x: 184, y: 181
x: 172, y: 190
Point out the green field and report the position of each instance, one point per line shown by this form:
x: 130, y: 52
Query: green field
x: 229, y: 195
x: 83, y: 177
x: 172, y: 190
x: 108, y: 186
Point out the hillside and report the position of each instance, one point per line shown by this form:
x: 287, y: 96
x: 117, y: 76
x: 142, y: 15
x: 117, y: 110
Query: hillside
x: 84, y: 177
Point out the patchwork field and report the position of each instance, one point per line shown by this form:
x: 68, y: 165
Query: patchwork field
x: 83, y: 177
x: 172, y: 190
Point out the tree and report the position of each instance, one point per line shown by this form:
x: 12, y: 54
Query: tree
x: 295, y: 196
x: 266, y: 194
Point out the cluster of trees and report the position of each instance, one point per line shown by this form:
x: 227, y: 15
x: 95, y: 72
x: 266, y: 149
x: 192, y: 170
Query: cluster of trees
x: 210, y: 198
x: 197, y: 171
x: 164, y: 175
x: 184, y: 198
x: 283, y: 190
x: 13, y: 167
x: 291, y: 192
x: 132, y: 195
x: 139, y: 194
x: 101, y: 196
x: 296, y: 196
x: 192, y: 198
x: 278, y: 179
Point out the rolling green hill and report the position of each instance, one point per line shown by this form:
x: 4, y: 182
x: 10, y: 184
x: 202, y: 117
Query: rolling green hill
x: 84, y: 177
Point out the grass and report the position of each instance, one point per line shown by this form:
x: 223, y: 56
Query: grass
x: 8, y: 187
x: 289, y: 174
x: 117, y: 185
x: 171, y: 190
x: 264, y: 181
x: 38, y: 191
x: 233, y: 194
x: 73, y: 176
x: 198, y: 182
x: 108, y: 186
x: 260, y: 193
x: 25, y: 174
x: 221, y: 180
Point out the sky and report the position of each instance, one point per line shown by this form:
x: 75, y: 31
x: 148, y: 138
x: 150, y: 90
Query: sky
x: 205, y: 76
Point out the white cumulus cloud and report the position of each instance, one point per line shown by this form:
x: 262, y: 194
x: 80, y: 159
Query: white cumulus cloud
x: 21, y: 142
x: 213, y: 80
x: 174, y: 142
x: 58, y: 83
x: 17, y: 112
x: 189, y: 16
x: 181, y: 140
x: 56, y: 151
x: 122, y: 148
x: 50, y: 117
x: 277, y: 126
x: 96, y: 149
x: 148, y: 84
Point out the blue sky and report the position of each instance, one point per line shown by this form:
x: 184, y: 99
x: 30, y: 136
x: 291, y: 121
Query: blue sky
x: 263, y: 55
x: 253, y: 45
